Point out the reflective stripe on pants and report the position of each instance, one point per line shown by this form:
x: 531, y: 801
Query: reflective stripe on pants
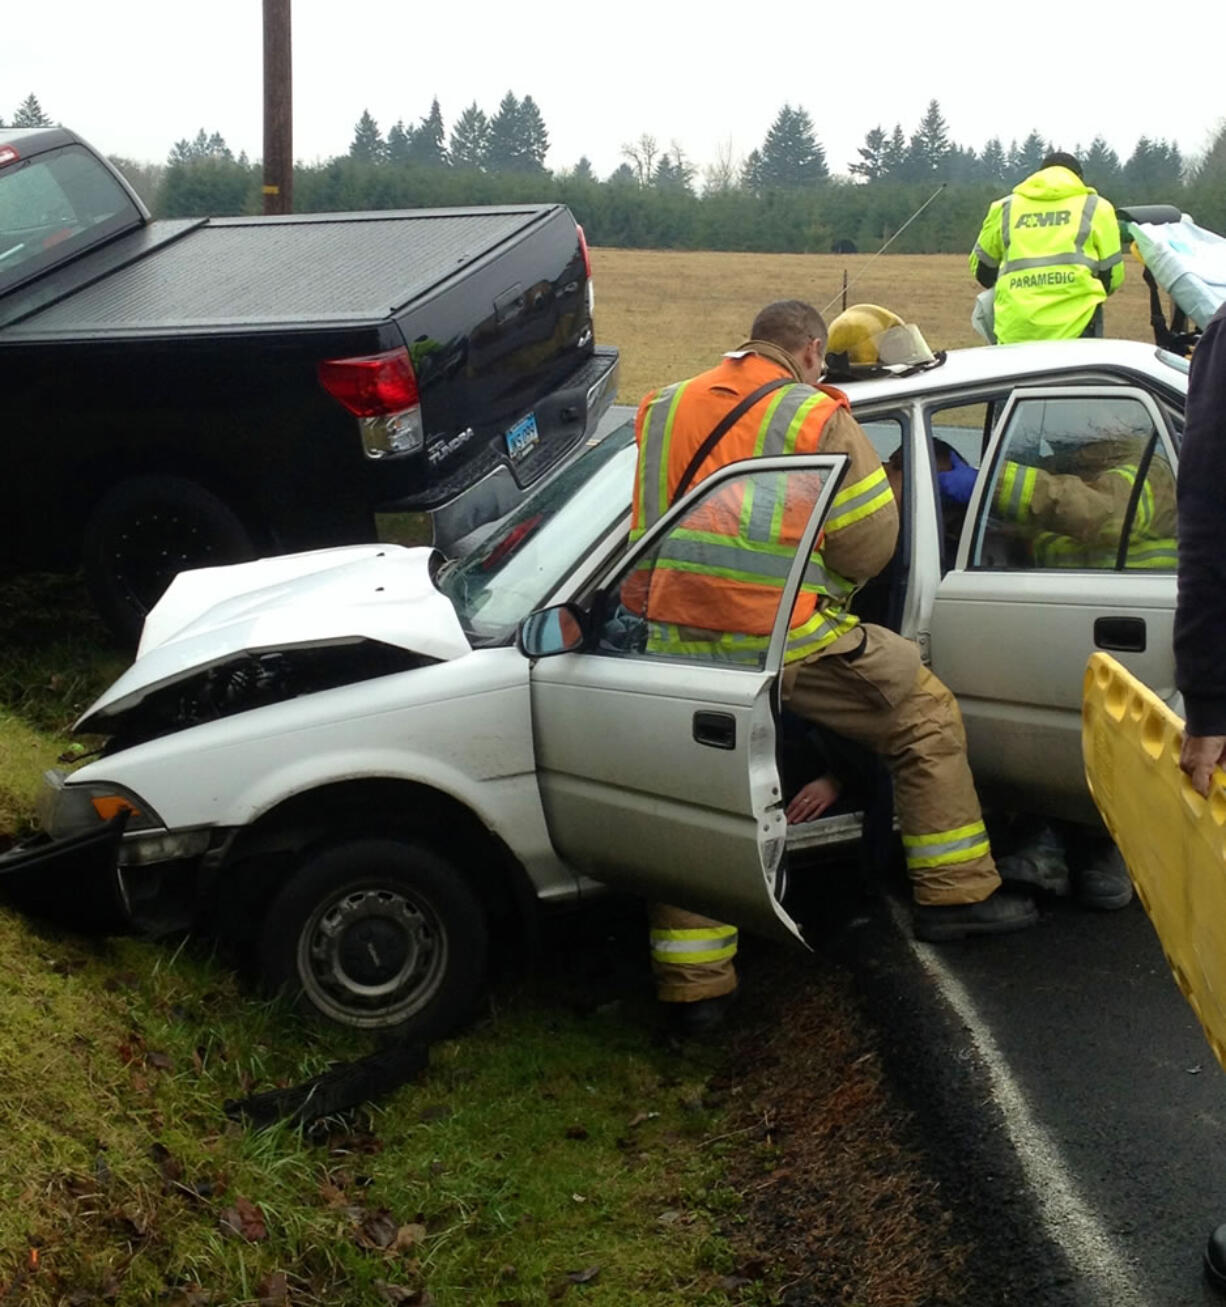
x: 691, y: 956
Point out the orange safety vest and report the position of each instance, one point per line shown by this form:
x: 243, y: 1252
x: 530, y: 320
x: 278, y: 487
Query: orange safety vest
x: 721, y: 569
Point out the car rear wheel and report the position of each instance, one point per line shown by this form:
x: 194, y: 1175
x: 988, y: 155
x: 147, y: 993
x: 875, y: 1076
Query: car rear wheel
x: 379, y: 934
x: 143, y: 533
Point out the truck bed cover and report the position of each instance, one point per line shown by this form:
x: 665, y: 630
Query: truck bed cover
x: 315, y: 270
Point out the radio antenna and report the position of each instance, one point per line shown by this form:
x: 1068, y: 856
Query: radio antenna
x: 885, y: 247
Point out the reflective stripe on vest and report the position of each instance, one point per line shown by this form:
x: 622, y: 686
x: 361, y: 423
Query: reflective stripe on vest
x: 1159, y: 554
x: 822, y: 629
x: 1015, y: 491
x: 752, y: 553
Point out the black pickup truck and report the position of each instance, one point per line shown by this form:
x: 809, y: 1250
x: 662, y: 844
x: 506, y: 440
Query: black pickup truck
x: 179, y: 393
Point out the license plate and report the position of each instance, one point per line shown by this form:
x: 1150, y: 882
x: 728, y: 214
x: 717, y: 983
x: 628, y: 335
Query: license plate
x: 523, y: 437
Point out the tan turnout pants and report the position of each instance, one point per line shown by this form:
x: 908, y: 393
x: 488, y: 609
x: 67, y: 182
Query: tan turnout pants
x: 871, y: 687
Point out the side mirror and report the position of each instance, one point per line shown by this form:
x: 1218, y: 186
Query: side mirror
x: 550, y: 631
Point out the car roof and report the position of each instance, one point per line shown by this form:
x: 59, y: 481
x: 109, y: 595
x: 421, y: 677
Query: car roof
x: 34, y: 140
x: 984, y: 365
x: 1041, y: 360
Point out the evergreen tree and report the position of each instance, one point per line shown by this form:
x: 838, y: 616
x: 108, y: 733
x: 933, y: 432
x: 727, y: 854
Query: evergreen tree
x: 894, y: 156
x: 470, y: 138
x: 367, y: 145
x: 1154, y: 170
x: 535, y: 137
x: 673, y: 173
x: 30, y: 114
x: 930, y: 144
x: 507, y: 150
x: 1028, y: 158
x: 751, y: 172
x: 202, y: 147
x: 993, y: 166
x: 583, y: 170
x: 623, y: 175
x: 426, y: 143
x: 791, y: 154
x: 1101, y: 167
x: 399, y: 142
x: 871, y: 165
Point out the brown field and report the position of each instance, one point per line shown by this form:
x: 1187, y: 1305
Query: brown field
x: 673, y: 312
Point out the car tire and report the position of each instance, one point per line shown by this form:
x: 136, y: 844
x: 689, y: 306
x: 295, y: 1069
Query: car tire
x: 143, y: 533
x: 378, y: 934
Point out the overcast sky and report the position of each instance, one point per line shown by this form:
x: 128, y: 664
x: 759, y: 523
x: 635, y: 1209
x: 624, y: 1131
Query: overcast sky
x: 133, y: 76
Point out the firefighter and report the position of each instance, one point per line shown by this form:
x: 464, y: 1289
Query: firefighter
x: 858, y: 680
x: 1075, y: 520
x: 1051, y: 250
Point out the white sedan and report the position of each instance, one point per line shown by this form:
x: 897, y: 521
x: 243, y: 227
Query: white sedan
x: 368, y: 759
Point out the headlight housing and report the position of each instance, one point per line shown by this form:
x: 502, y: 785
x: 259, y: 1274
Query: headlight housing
x: 66, y: 809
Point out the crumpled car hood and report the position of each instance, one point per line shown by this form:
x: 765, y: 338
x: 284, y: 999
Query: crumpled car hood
x: 373, y: 592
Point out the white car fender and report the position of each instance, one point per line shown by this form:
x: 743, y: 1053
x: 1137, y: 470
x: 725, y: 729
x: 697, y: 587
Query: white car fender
x: 462, y: 727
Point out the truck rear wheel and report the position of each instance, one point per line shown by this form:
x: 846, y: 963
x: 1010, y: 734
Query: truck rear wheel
x: 143, y: 533
x: 379, y: 934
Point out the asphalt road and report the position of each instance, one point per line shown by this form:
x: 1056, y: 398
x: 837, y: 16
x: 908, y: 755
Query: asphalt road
x: 1067, y: 1094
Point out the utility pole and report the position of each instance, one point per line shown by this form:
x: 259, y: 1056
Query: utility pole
x: 278, y: 109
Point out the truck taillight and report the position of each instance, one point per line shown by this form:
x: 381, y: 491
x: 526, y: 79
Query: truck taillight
x: 380, y: 390
x: 587, y: 268
x: 8, y: 154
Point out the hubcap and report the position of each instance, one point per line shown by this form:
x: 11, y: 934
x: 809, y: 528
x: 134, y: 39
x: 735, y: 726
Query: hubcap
x: 372, y: 956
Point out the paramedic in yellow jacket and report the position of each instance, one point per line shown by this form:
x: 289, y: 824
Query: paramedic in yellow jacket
x: 1051, y: 249
x: 1075, y: 520
x: 717, y: 597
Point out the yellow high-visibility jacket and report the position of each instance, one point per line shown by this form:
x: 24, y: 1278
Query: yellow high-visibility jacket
x: 1054, y: 246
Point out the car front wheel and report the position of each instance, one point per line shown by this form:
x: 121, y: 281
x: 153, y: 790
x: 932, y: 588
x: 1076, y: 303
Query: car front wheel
x: 379, y: 934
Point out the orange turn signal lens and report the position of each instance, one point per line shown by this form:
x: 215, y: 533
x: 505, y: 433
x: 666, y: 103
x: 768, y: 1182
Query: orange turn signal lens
x: 108, y: 806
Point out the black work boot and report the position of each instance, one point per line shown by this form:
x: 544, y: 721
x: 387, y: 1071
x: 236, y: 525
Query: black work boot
x: 701, y: 1016
x: 1040, y: 865
x: 1000, y: 912
x: 1104, y: 884
x: 1215, y: 1259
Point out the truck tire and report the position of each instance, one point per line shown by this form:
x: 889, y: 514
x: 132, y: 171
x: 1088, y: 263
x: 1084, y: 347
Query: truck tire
x: 143, y: 533
x: 378, y: 934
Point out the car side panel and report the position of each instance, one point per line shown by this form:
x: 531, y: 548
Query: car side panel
x: 462, y: 727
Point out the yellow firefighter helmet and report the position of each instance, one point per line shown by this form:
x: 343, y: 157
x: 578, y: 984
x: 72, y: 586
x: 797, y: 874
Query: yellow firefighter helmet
x: 866, y: 336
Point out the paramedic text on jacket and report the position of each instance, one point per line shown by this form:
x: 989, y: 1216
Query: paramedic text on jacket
x: 1051, y: 249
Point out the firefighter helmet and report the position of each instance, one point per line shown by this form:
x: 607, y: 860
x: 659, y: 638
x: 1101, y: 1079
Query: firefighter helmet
x: 866, y: 336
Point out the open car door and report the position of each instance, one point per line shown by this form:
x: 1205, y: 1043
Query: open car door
x: 655, y: 743
x: 1068, y: 546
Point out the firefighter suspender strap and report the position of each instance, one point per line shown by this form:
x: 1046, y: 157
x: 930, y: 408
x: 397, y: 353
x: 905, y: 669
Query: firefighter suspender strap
x: 726, y: 425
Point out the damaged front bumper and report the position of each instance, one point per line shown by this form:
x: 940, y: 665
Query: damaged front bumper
x: 109, y: 879
x: 75, y: 880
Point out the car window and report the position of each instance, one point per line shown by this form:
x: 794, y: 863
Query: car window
x: 1079, y: 482
x: 518, y: 566
x: 709, y: 589
x: 965, y: 427
x: 885, y: 434
x: 54, y: 205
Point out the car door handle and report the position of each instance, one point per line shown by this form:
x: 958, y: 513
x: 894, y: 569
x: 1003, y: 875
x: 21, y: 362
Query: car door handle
x: 1126, y: 634
x: 717, y: 729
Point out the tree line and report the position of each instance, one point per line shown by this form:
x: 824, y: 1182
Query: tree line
x: 781, y: 197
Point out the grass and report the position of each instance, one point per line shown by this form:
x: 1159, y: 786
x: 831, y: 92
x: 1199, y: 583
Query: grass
x: 672, y: 313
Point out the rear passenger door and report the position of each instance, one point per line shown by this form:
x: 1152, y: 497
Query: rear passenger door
x: 1068, y: 547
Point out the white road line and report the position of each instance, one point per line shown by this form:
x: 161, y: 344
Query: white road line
x: 1092, y: 1252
